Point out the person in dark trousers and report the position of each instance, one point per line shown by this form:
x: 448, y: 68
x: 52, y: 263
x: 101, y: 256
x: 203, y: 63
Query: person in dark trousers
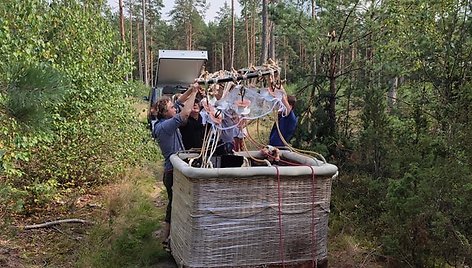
x: 287, y: 123
x: 170, y: 116
x: 193, y: 131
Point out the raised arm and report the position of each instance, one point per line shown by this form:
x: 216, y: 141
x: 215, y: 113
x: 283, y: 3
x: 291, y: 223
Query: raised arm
x: 285, y: 101
x: 184, y: 97
x: 187, y: 99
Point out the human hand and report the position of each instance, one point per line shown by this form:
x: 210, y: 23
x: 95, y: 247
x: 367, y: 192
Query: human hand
x: 195, y: 88
x: 281, y: 88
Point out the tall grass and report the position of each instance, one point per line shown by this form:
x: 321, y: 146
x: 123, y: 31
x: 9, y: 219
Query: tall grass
x: 126, y: 238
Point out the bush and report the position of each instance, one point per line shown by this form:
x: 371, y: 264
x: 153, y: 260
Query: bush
x: 67, y: 116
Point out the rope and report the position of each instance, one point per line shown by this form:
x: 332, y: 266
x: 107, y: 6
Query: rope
x: 281, y: 242
x: 258, y: 144
x: 204, y: 148
x: 257, y: 130
x: 293, y: 149
x: 216, y: 134
x: 252, y: 157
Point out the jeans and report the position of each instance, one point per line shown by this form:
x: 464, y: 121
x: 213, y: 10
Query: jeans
x: 168, y: 180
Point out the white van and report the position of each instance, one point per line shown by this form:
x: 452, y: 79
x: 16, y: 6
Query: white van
x: 176, y: 70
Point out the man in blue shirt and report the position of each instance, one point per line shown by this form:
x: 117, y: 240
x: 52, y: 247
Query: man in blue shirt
x: 287, y: 123
x: 166, y: 133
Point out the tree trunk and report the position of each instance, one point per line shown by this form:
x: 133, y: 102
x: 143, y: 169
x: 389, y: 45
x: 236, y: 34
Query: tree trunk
x: 232, y: 36
x: 131, y: 36
x: 302, y: 54
x: 349, y: 94
x: 146, y: 75
x: 332, y: 88
x: 285, y: 57
x: 272, y: 40
x: 272, y: 37
x: 140, y: 60
x: 190, y: 37
x: 313, y: 9
x: 313, y: 17
x: 215, y: 57
x: 151, y: 66
x: 264, y: 40
x: 332, y: 107
x: 122, y: 22
x: 253, y: 37
x: 222, y: 56
x: 392, y: 93
x: 122, y: 27
x: 151, y: 45
x: 248, y: 42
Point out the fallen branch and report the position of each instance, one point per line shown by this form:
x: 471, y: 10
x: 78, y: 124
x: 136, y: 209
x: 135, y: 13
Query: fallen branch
x: 51, y: 223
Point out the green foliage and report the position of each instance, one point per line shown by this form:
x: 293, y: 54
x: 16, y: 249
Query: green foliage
x: 67, y: 118
x: 137, y: 90
x: 11, y: 197
x: 430, y: 204
x: 401, y: 85
x: 408, y: 158
x: 187, y: 22
x: 42, y: 192
x: 32, y: 93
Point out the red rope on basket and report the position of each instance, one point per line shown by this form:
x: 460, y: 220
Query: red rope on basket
x: 284, y: 161
x: 281, y: 241
x: 313, y: 231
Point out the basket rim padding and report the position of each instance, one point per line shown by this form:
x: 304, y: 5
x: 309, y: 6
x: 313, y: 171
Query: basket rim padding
x: 320, y: 168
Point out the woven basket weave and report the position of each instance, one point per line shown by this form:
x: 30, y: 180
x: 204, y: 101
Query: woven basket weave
x: 233, y: 221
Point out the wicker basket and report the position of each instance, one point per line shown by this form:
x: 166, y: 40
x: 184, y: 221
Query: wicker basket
x: 251, y: 216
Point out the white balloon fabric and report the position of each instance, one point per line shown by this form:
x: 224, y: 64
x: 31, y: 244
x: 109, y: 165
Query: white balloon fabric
x: 241, y: 103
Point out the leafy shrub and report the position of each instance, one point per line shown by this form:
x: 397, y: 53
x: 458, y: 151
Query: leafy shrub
x: 67, y: 116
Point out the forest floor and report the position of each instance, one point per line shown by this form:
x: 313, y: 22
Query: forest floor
x: 126, y: 218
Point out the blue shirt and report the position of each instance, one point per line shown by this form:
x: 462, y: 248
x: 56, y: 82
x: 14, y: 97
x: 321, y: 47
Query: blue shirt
x: 166, y: 133
x: 287, y: 125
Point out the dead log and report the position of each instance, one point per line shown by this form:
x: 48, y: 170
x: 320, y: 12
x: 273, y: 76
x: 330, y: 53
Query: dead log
x: 51, y: 223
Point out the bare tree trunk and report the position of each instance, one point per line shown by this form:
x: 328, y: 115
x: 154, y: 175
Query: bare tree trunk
x: 285, y: 57
x: 302, y: 53
x: 151, y: 66
x: 140, y: 61
x: 313, y: 16
x: 254, y: 30
x: 232, y: 36
x: 189, y: 33
x: 122, y: 27
x: 248, y: 44
x: 190, y: 36
x: 122, y: 22
x: 332, y: 88
x: 313, y: 9
x: 146, y: 75
x: 222, y: 56
x: 264, y: 40
x: 131, y: 36
x: 392, y: 93
x: 151, y: 45
x: 272, y: 40
x: 215, y: 57
x: 272, y: 45
x: 348, y: 105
